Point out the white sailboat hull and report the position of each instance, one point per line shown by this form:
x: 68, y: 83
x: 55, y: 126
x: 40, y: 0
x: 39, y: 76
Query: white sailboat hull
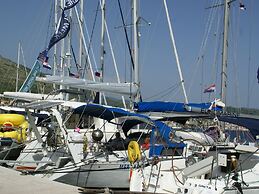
x: 97, y: 175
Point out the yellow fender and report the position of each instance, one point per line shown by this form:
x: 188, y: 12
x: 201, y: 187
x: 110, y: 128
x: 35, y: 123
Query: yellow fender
x: 133, y: 152
x: 22, y: 133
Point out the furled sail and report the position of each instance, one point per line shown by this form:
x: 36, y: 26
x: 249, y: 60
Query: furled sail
x: 119, y: 88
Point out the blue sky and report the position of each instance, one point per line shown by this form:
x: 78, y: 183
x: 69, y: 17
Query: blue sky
x: 30, y: 22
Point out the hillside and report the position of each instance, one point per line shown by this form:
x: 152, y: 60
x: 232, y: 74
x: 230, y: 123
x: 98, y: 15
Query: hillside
x: 8, y: 76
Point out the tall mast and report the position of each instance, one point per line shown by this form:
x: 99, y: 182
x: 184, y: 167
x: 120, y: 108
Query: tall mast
x: 136, y: 48
x: 102, y: 38
x: 55, y: 46
x: 18, y: 65
x: 62, y: 53
x: 102, y: 44
x: 225, y: 52
x: 80, y: 33
x: 68, y: 50
x: 175, y: 52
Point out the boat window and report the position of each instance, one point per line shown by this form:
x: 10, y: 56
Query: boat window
x: 172, y: 151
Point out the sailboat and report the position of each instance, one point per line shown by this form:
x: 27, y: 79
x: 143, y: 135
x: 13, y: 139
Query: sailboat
x: 75, y: 164
x: 166, y: 175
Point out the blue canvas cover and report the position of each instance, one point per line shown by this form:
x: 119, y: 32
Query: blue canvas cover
x: 247, y: 121
x: 161, y: 106
x: 106, y: 112
x: 162, y: 137
x: 160, y: 131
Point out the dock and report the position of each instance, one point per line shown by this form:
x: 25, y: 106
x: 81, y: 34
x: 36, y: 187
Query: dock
x: 13, y: 182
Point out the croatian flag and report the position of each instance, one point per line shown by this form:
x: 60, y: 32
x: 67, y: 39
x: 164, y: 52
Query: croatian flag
x: 211, y: 88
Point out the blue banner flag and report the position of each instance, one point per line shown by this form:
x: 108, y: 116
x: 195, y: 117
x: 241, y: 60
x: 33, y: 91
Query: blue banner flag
x: 61, y: 32
x: 70, y: 3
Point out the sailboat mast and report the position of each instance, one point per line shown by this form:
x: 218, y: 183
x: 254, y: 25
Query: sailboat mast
x: 62, y: 53
x: 136, y: 48
x: 175, y: 52
x: 18, y: 65
x: 68, y: 52
x: 225, y: 52
x: 80, y: 33
x: 55, y: 46
x: 102, y: 44
x: 102, y: 38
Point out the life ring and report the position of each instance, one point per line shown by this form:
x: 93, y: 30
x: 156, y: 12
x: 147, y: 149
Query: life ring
x: 13, y: 126
x: 133, y: 152
x: 7, y: 126
x: 15, y: 119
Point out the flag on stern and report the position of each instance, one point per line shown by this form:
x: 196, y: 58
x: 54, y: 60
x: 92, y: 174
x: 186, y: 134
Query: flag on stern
x: 211, y: 88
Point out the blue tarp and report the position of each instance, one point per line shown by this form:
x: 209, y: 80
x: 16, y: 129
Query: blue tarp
x: 166, y: 134
x: 248, y: 122
x: 106, y: 112
x: 158, y: 106
x: 109, y: 113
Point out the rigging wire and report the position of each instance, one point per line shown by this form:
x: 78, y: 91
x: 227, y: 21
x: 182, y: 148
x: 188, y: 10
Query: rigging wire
x: 217, y: 51
x: 126, y: 34
x: 202, y: 50
x: 249, y: 57
x: 165, y: 92
x: 49, y: 24
x: 235, y: 32
x: 91, y: 37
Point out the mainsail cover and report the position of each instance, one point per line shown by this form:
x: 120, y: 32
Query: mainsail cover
x: 118, y: 88
x: 160, y: 106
